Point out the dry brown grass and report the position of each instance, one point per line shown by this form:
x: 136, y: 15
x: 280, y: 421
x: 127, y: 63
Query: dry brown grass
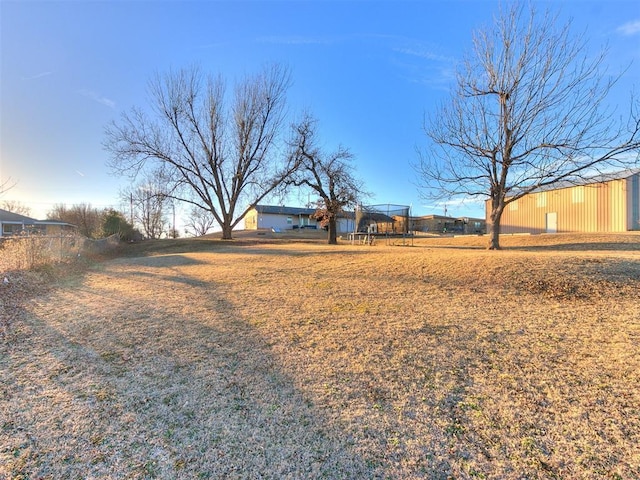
x: 276, y: 358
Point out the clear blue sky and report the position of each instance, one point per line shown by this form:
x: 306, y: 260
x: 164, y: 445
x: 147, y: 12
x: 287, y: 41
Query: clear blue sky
x: 368, y: 70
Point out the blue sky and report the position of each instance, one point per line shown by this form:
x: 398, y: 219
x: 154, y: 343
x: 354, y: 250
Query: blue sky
x: 368, y: 70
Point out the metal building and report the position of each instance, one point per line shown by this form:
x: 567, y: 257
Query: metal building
x: 605, y: 203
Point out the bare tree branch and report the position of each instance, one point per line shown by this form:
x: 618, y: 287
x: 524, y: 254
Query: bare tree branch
x: 330, y: 176
x: 218, y: 156
x: 529, y: 110
x: 15, y: 206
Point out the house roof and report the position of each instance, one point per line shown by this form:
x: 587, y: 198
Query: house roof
x: 282, y: 210
x: 10, y: 217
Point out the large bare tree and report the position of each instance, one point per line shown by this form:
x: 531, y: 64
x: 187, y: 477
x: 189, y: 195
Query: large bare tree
x: 330, y: 176
x: 528, y: 110
x: 218, y: 155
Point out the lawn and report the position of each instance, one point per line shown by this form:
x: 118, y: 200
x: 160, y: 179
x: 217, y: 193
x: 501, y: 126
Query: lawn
x: 269, y: 357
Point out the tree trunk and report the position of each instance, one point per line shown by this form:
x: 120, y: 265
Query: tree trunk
x: 226, y: 231
x: 332, y: 236
x: 494, y: 233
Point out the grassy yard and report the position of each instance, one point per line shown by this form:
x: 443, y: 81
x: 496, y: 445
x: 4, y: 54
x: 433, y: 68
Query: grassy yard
x: 280, y: 358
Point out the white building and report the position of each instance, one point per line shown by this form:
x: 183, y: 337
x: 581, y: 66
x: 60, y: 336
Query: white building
x: 289, y: 218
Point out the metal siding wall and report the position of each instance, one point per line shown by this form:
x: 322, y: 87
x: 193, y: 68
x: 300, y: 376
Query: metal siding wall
x: 633, y: 201
x: 602, y: 208
x: 605, y: 207
x: 570, y: 215
x: 618, y: 206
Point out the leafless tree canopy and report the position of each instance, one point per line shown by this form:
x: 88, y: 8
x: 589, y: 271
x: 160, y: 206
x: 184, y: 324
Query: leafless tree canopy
x: 217, y: 155
x: 149, y: 204
x: 87, y: 219
x: 330, y: 176
x: 528, y: 110
x: 15, y: 207
x: 200, y: 221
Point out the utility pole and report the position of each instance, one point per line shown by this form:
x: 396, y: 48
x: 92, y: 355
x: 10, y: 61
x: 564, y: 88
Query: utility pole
x: 173, y: 232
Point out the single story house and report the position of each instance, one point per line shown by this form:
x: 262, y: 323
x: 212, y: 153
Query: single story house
x: 14, y: 224
x: 278, y: 218
x: 605, y: 203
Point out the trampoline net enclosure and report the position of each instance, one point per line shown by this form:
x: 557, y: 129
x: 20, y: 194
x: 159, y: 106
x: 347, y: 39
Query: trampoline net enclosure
x: 382, y: 219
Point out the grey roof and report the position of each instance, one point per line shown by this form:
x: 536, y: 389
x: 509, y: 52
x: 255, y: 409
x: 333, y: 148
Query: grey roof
x: 7, y: 216
x: 282, y: 210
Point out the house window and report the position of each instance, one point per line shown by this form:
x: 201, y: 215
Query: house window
x: 11, y: 228
x: 289, y: 220
x: 577, y: 194
x: 541, y: 199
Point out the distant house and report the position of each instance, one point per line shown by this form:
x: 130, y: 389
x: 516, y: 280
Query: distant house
x: 278, y: 218
x: 603, y: 203
x: 14, y: 224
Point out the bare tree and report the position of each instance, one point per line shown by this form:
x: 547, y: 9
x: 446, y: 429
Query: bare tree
x: 149, y: 203
x: 87, y: 219
x: 15, y: 206
x: 217, y: 156
x: 330, y: 176
x: 200, y: 221
x: 528, y: 111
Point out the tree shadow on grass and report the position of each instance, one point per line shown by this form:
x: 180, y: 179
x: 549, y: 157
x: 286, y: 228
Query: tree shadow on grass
x: 103, y: 382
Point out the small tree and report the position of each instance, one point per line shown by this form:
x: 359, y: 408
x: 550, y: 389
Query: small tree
x: 219, y: 156
x: 330, y: 176
x: 528, y: 111
x: 200, y: 221
x: 115, y: 223
x: 149, y: 203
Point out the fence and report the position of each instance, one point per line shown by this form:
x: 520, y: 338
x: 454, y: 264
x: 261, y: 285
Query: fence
x: 27, y: 252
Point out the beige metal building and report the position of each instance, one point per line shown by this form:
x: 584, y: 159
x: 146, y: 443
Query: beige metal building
x: 606, y: 203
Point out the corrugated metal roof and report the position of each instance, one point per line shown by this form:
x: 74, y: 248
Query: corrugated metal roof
x: 600, y: 178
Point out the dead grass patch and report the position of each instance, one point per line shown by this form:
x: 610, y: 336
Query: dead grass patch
x: 282, y: 359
